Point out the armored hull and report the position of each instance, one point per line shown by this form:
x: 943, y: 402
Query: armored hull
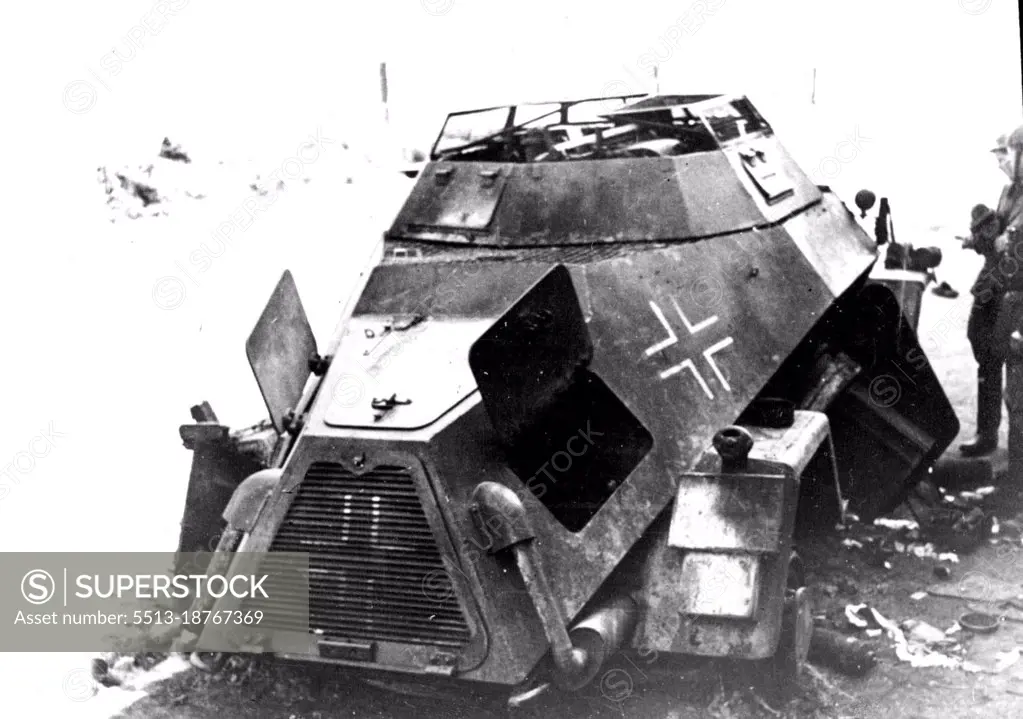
x: 517, y: 455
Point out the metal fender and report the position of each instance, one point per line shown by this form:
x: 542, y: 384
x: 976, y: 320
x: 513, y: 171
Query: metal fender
x: 245, y: 504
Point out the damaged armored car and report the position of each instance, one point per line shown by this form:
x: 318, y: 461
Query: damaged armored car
x: 617, y: 355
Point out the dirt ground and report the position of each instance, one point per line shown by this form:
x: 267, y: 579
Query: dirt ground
x: 842, y: 575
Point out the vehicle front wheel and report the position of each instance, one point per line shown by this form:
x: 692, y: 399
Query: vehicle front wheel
x: 781, y: 672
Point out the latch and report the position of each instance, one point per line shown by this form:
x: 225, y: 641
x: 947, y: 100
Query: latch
x: 417, y: 318
x: 489, y: 177
x: 383, y: 406
x: 348, y: 651
x: 772, y: 183
x: 753, y: 157
x: 442, y: 663
x: 405, y: 253
x: 442, y: 175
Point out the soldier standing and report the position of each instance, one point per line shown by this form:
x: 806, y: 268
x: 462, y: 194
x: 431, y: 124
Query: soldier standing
x: 1010, y: 320
x: 998, y: 292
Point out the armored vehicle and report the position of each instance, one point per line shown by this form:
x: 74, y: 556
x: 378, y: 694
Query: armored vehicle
x: 616, y: 355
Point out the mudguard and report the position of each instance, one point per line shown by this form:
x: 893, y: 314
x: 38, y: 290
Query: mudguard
x: 245, y: 504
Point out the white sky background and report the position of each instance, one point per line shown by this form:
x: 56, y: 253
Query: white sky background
x: 927, y: 76
x: 245, y: 73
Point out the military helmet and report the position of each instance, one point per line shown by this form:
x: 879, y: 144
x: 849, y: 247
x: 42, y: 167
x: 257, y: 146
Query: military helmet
x: 981, y: 215
x: 1014, y: 140
x: 1009, y: 141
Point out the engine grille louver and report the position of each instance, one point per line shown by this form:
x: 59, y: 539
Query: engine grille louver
x: 375, y: 570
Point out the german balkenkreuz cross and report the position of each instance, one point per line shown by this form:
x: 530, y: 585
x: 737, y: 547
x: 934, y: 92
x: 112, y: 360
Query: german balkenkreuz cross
x: 688, y: 363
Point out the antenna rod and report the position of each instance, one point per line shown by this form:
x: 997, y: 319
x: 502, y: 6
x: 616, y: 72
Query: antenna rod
x: 383, y: 92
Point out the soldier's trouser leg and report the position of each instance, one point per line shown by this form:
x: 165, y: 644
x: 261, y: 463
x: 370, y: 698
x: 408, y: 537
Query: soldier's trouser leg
x: 1011, y: 324
x: 1014, y: 403
x: 989, y: 353
x: 989, y: 397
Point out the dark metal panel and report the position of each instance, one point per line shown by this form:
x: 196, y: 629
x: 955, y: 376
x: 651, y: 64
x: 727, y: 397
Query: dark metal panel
x: 662, y: 352
x: 529, y: 357
x: 908, y: 288
x: 462, y: 455
x: 218, y: 469
x: 775, y: 183
x: 658, y: 567
x: 624, y: 200
x: 689, y: 335
x: 279, y: 350
x: 833, y: 242
x: 600, y: 201
x: 455, y: 195
x: 732, y: 512
x: 458, y: 289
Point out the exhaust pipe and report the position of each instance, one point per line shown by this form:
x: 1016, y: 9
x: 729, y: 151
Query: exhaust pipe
x: 577, y: 654
x: 601, y: 634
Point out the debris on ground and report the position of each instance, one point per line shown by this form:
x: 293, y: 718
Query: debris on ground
x: 840, y: 652
x: 854, y: 613
x: 916, y: 642
x: 1004, y: 660
x: 896, y: 524
x: 952, y: 523
x: 101, y: 671
x: 954, y: 472
x: 261, y: 188
x: 926, y: 550
x: 924, y: 646
x: 979, y: 622
x: 173, y: 152
x: 152, y: 185
x: 127, y: 670
x: 921, y: 631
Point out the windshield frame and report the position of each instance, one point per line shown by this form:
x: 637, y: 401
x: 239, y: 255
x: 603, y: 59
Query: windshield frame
x: 562, y: 109
x: 712, y: 113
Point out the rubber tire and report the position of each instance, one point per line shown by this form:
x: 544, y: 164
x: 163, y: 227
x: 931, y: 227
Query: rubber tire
x: 780, y: 673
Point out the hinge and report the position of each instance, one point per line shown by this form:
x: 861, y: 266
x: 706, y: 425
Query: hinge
x: 293, y: 423
x: 318, y: 365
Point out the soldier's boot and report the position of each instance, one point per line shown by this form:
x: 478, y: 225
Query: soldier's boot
x: 989, y: 415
